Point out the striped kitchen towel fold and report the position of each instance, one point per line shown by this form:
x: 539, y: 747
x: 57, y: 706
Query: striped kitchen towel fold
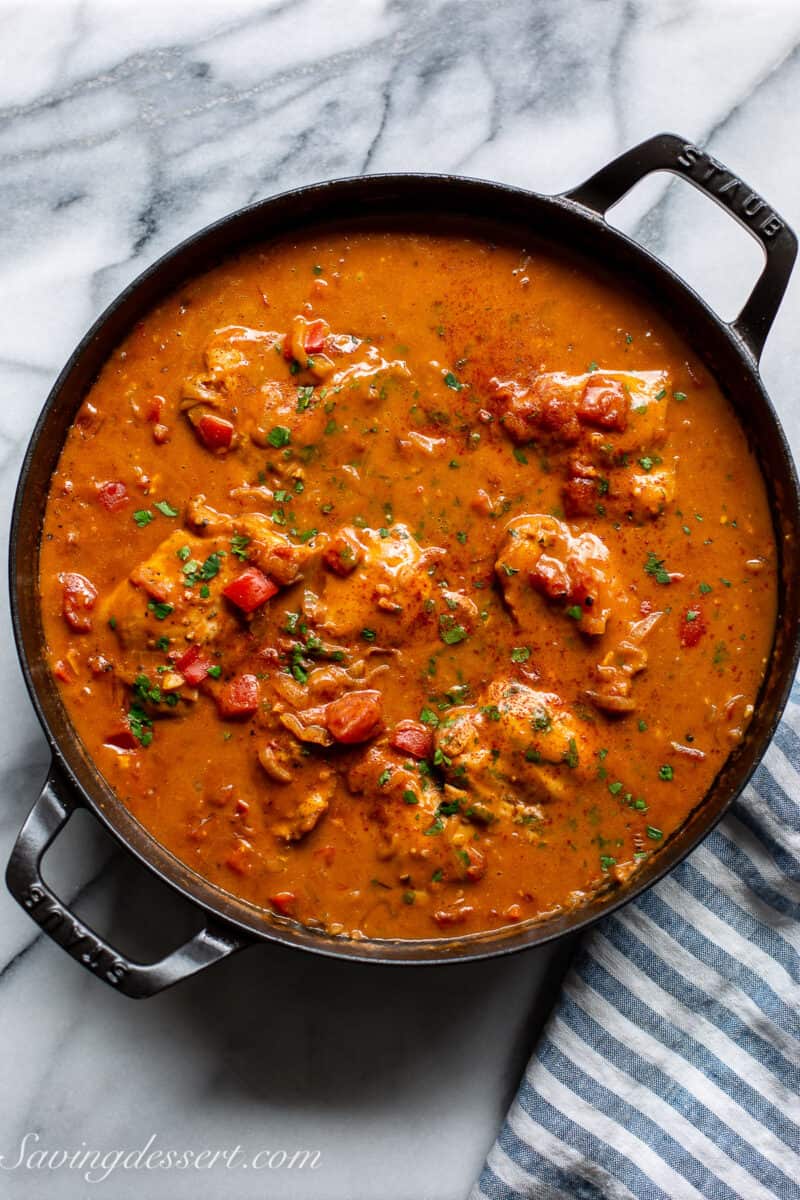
x: 670, y: 1066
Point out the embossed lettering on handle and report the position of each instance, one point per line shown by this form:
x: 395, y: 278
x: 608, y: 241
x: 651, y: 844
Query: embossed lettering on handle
x: 713, y: 176
x: 47, y: 818
x: 668, y: 152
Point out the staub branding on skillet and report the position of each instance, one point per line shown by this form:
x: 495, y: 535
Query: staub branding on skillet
x: 570, y: 223
x: 74, y: 936
x: 747, y: 204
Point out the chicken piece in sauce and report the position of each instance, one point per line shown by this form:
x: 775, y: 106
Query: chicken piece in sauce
x: 415, y: 820
x: 542, y: 560
x: 169, y: 595
x: 382, y: 584
x: 267, y: 389
x: 515, y: 748
x: 611, y: 424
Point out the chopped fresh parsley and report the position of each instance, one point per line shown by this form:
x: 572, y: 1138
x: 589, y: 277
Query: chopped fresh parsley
x: 571, y: 756
x: 541, y: 720
x: 144, y: 690
x: 607, y: 862
x: 279, y: 436
x: 666, y: 773
x: 654, y: 833
x: 165, y: 508
x: 410, y: 797
x: 520, y: 654
x: 655, y: 567
x: 143, y: 517
x: 160, y: 611
x: 384, y: 777
x: 239, y: 544
x: 451, y: 382
x: 215, y: 672
x: 575, y: 611
x: 368, y: 635
x: 453, y: 635
x: 428, y: 717
x: 705, y: 588
x: 194, y: 571
x: 140, y: 725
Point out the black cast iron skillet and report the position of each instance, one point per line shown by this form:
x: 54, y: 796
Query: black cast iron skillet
x: 574, y: 223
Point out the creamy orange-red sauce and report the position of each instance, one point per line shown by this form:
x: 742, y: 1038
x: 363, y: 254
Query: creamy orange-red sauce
x: 407, y: 585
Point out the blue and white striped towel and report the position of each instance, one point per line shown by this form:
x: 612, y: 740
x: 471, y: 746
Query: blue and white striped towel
x: 670, y: 1067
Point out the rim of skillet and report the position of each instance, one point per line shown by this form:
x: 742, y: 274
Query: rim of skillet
x: 260, y: 924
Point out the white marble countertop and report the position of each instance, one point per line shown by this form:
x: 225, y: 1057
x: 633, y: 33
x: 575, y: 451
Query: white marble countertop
x: 123, y: 127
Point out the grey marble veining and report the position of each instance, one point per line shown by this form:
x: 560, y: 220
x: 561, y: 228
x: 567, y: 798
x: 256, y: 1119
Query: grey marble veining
x: 123, y: 128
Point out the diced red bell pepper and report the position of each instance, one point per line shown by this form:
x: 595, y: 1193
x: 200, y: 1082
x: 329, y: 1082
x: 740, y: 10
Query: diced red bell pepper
x: 239, y: 698
x: 354, y: 717
x: 604, y: 404
x: 216, y: 433
x: 155, y: 408
x: 283, y: 902
x: 240, y: 858
x: 250, y: 589
x: 122, y: 738
x: 315, y: 337
x: 194, y: 665
x: 692, y: 628
x: 112, y: 495
x: 79, y: 597
x: 581, y: 497
x: 412, y: 737
x: 551, y: 578
x: 343, y: 554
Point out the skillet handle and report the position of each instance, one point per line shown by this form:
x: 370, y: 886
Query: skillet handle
x: 668, y: 152
x: 47, y: 818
